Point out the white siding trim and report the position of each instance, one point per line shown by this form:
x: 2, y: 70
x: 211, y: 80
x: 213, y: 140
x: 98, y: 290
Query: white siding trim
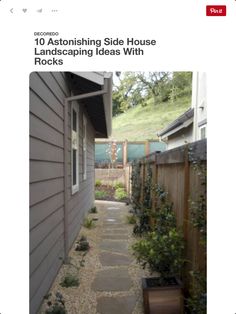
x: 84, y: 147
x: 75, y: 146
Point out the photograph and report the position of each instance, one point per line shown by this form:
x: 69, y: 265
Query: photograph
x: 118, y: 192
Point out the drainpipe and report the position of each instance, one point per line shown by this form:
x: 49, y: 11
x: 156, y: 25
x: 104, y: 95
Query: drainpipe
x: 66, y: 107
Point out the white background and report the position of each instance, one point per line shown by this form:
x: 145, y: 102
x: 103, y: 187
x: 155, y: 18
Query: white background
x: 187, y: 40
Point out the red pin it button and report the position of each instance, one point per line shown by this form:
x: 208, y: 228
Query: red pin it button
x: 216, y: 10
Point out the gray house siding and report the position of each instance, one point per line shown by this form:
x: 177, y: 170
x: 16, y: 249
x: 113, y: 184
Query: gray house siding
x: 47, y: 93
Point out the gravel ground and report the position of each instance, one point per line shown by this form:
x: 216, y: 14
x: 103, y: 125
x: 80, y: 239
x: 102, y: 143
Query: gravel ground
x: 82, y: 299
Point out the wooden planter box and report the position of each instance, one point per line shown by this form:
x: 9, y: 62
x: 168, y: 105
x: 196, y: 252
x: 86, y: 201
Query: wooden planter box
x: 162, y: 300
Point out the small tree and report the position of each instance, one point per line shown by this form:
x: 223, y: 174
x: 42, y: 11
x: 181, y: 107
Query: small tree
x: 112, y: 152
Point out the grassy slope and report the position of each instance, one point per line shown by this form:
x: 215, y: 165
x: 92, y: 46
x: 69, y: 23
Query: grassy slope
x: 141, y: 123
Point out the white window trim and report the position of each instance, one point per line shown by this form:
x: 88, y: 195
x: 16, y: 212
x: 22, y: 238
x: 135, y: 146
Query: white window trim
x: 200, y: 129
x: 75, y: 139
x: 84, y: 147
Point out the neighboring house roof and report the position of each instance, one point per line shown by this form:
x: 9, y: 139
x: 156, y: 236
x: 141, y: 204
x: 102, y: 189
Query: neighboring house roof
x: 181, y: 122
x: 99, y: 108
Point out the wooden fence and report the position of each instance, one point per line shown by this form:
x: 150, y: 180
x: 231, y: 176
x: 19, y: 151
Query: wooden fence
x: 175, y: 171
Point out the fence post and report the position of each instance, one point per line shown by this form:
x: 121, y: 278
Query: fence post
x: 186, y: 191
x: 142, y: 173
x: 154, y: 181
x: 147, y: 149
x: 125, y: 152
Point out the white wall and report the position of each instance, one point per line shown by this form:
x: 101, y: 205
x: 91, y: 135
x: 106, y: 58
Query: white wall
x: 199, y: 103
x: 180, y: 138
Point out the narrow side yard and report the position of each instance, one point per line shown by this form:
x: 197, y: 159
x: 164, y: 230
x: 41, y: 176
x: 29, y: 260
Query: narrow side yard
x: 108, y: 275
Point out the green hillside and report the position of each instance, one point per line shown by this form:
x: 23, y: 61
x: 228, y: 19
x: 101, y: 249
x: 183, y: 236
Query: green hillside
x: 141, y: 123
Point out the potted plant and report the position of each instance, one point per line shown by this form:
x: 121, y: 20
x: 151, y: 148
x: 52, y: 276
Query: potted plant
x: 162, y: 251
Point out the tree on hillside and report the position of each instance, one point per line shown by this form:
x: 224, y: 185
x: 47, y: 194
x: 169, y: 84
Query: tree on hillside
x: 137, y: 87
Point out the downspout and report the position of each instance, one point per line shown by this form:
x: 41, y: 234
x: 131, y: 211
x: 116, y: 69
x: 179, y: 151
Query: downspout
x: 66, y: 107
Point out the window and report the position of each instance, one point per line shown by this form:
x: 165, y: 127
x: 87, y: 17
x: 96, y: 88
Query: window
x: 74, y: 148
x: 203, y: 132
x: 84, y: 147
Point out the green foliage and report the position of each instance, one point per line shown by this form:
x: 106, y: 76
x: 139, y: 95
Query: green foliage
x: 147, y: 200
x: 131, y: 219
x: 142, y: 226
x: 82, y: 244
x: 136, y: 88
x: 120, y: 194
x: 98, y: 182
x: 198, y: 216
x: 197, y: 302
x: 56, y: 305
x: 118, y: 185
x: 165, y: 219
x: 100, y: 194
x: 136, y: 183
x: 70, y: 281
x: 161, y: 249
x: 93, y: 210
x: 198, y: 207
x: 161, y: 252
x: 89, y: 223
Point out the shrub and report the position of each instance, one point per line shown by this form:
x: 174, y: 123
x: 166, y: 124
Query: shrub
x: 131, y: 219
x: 98, y: 183
x: 100, y: 194
x: 120, y: 194
x: 161, y: 253
x: 82, y: 244
x: 118, y: 185
x: 93, y: 210
x: 88, y: 223
x: 70, y: 281
x: 142, y: 226
x: 55, y: 306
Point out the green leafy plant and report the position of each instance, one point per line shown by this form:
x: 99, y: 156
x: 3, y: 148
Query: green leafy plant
x: 82, y: 244
x: 120, y: 194
x: 161, y: 250
x: 197, y: 302
x: 100, y: 194
x: 55, y: 305
x: 93, y: 210
x: 70, y: 281
x: 142, y: 224
x: 98, y: 182
x: 118, y: 185
x: 162, y: 253
x: 89, y: 223
x: 147, y: 199
x: 198, y: 211
x: 165, y: 219
x: 136, y: 183
x: 131, y: 219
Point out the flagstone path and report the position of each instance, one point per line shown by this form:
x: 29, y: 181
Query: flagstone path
x: 110, y: 281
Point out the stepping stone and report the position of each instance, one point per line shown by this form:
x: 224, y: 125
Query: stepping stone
x: 113, y: 208
x: 115, y: 237
x: 112, y: 280
x: 110, y: 220
x: 114, y: 246
x: 110, y: 259
x: 116, y: 305
x: 115, y: 231
x: 113, y: 225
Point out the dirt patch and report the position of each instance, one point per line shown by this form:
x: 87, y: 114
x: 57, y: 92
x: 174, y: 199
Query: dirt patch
x: 107, y: 193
